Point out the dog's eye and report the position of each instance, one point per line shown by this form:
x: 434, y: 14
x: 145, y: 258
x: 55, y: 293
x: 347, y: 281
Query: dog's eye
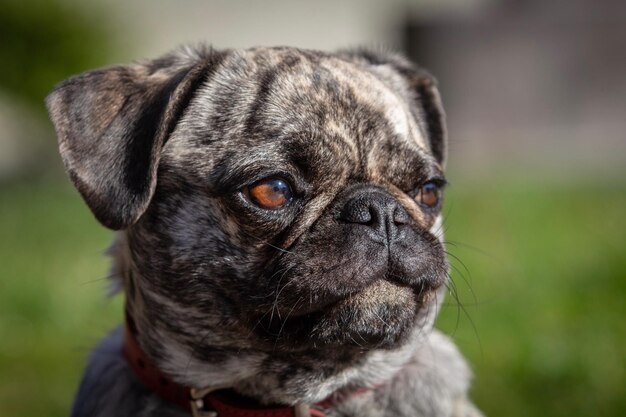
x: 429, y: 194
x: 269, y: 193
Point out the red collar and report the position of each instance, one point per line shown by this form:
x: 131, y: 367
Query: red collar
x: 220, y: 403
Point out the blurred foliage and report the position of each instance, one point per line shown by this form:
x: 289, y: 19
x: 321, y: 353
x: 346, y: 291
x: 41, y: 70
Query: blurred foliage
x: 539, y: 275
x: 44, y: 42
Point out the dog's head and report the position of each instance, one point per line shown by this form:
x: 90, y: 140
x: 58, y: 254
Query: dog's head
x: 275, y: 203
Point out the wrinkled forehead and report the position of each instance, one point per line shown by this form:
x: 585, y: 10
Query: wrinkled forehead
x: 274, y: 102
x: 301, y: 91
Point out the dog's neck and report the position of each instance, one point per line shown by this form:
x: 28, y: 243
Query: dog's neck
x: 216, y: 400
x: 275, y: 378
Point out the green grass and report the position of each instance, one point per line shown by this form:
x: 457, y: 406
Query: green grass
x: 541, y: 283
x: 547, y: 296
x: 52, y: 303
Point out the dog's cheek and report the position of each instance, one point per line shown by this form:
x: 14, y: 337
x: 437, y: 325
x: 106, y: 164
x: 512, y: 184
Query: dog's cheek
x: 437, y: 228
x: 192, y: 266
x: 437, y: 232
x: 190, y: 249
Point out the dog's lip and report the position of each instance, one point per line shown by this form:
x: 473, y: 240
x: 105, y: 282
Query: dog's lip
x: 294, y: 329
x: 379, y: 292
x: 305, y: 309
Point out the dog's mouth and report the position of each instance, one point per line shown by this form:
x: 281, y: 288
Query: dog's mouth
x: 379, y: 316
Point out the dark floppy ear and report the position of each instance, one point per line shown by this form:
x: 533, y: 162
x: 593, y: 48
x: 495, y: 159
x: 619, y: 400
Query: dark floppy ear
x: 433, y: 113
x: 423, y: 91
x: 111, y: 125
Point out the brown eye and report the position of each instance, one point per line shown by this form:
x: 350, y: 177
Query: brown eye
x: 429, y: 195
x: 270, y: 193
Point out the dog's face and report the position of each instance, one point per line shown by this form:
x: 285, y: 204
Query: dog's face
x: 272, y: 200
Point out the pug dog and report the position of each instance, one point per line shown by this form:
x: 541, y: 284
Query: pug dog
x: 279, y: 234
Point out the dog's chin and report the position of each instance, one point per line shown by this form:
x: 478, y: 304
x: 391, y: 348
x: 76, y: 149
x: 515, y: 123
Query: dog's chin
x: 381, y: 316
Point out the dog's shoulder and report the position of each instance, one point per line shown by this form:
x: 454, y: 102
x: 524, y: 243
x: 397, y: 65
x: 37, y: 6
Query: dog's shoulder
x: 109, y: 388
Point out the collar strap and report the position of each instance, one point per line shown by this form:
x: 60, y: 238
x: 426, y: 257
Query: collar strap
x: 213, y: 402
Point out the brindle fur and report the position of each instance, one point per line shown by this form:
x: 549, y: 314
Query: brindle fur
x: 285, y: 306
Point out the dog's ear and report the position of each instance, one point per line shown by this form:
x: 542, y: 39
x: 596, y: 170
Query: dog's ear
x: 429, y: 98
x: 111, y: 125
x: 423, y: 92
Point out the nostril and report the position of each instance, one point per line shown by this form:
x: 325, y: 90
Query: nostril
x: 400, y: 216
x: 363, y: 214
x: 378, y: 211
x: 357, y: 211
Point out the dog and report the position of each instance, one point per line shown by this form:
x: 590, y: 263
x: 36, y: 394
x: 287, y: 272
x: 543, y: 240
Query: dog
x: 279, y: 234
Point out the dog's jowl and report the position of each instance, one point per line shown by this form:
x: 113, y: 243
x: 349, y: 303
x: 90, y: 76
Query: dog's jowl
x: 279, y: 239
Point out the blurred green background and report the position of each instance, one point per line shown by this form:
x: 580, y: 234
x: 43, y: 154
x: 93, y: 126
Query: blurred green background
x: 536, y: 230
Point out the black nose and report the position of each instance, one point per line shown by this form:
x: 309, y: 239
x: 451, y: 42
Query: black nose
x: 376, y: 209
